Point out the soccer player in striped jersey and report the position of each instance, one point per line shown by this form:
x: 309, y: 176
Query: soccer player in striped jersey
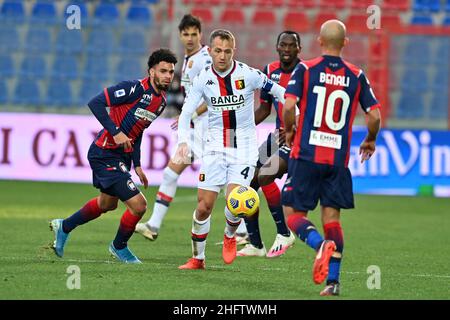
x: 231, y: 151
x: 195, y: 59
x: 134, y: 105
x: 273, y: 154
x: 328, y: 90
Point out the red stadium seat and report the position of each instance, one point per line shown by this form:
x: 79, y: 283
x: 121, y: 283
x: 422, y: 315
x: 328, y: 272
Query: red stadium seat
x: 391, y: 22
x: 301, y: 4
x: 396, y: 5
x: 296, y: 21
x: 356, y: 22
x: 333, y: 4
x: 232, y: 16
x: 322, y: 17
x: 205, y: 14
x: 361, y: 4
x: 243, y: 3
x: 268, y: 3
x: 264, y: 17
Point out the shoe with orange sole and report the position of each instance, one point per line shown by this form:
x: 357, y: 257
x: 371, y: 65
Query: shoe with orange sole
x: 229, y: 249
x: 320, y: 268
x: 193, y: 264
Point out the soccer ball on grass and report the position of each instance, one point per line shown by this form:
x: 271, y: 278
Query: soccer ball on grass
x: 243, y: 201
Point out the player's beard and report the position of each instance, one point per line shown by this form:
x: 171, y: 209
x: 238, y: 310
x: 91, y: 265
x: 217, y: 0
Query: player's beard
x: 159, y: 85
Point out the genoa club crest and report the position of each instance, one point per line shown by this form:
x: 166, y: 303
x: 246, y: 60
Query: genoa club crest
x: 240, y: 84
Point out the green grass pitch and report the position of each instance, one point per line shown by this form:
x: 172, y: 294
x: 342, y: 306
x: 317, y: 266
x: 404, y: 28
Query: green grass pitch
x: 407, y: 238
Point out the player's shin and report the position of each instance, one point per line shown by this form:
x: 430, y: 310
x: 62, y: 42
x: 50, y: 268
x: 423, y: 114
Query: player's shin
x: 232, y: 223
x: 126, y: 229
x: 333, y: 231
x: 273, y: 196
x: 305, y: 230
x: 90, y: 211
x: 199, y: 232
x: 252, y: 224
x: 164, y: 197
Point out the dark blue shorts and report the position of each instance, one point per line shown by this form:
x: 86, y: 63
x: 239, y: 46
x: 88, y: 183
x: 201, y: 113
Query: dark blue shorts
x: 110, y: 172
x: 309, y: 182
x: 269, y: 148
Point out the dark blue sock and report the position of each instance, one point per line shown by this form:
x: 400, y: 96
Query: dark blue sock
x: 89, y: 212
x: 252, y: 225
x: 278, y: 217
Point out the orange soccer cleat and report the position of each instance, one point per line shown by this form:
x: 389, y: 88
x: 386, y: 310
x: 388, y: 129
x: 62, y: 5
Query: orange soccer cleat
x: 229, y: 249
x: 193, y: 264
x: 320, y: 268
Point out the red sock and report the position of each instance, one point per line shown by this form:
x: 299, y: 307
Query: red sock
x: 272, y: 194
x: 126, y: 228
x: 90, y: 211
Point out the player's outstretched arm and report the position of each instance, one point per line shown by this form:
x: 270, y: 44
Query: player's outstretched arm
x: 262, y: 112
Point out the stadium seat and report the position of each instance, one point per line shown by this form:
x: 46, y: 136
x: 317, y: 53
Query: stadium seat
x: 410, y: 105
x: 44, y: 13
x: 101, y: 41
x: 333, y: 4
x: 38, y: 40
x: 97, y: 68
x: 439, y: 106
x: 33, y: 66
x: 446, y: 21
x: 139, y: 15
x: 357, y: 22
x: 423, y: 20
x: 361, y: 4
x: 415, y: 79
x: 418, y: 51
x: 263, y: 17
x: 301, y: 4
x: 447, y: 6
x: 232, y: 16
x: 88, y: 90
x: 27, y: 92
x: 391, y: 22
x: 297, y: 21
x: 4, y: 96
x: 133, y: 42
x: 84, y: 13
x: 69, y: 41
x: 59, y: 93
x: 106, y: 13
x: 9, y: 38
x: 321, y: 17
x: 6, y: 66
x: 426, y: 5
x: 268, y: 3
x: 395, y: 5
x: 229, y: 3
x: 12, y: 12
x: 129, y: 69
x: 205, y: 14
x: 64, y: 67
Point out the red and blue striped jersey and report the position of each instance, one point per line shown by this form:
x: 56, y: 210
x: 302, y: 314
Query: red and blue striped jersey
x: 134, y: 105
x: 276, y: 74
x: 328, y: 90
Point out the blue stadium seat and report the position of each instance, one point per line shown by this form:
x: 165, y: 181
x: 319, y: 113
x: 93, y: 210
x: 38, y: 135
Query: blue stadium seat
x: 133, y: 42
x: 88, y: 90
x: 97, y: 68
x: 415, y: 79
x: 59, y: 93
x: 101, y: 41
x: 69, y: 41
x: 12, y: 12
x: 38, y: 40
x: 418, y: 50
x: 410, y: 105
x: 426, y: 5
x: 129, y: 69
x: 33, y: 66
x: 27, y: 92
x: 44, y: 13
x: 443, y: 52
x: 447, y: 6
x: 439, y: 106
x: 4, y: 96
x: 6, y: 66
x: 422, y: 20
x: 446, y: 21
x: 9, y: 39
x: 139, y: 15
x: 64, y: 67
x: 106, y: 13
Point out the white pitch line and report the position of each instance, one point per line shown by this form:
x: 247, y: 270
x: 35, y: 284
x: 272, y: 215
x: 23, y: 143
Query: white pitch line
x: 217, y: 267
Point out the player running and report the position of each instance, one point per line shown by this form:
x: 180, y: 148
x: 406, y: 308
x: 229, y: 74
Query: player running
x: 230, y: 155
x: 273, y: 156
x: 328, y: 90
x: 195, y: 59
x: 134, y: 105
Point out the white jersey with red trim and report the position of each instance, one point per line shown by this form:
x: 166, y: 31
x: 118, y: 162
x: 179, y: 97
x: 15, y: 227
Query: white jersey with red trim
x: 230, y: 100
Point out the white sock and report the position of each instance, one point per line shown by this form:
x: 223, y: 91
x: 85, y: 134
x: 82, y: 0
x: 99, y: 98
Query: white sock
x: 200, y: 230
x: 242, y: 229
x: 232, y: 223
x: 164, y: 197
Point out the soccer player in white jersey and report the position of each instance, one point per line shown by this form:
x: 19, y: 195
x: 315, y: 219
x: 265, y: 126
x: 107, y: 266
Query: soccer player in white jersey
x: 231, y: 148
x: 195, y: 59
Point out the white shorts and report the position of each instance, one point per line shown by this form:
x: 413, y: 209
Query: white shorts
x: 198, y: 134
x: 219, y: 169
